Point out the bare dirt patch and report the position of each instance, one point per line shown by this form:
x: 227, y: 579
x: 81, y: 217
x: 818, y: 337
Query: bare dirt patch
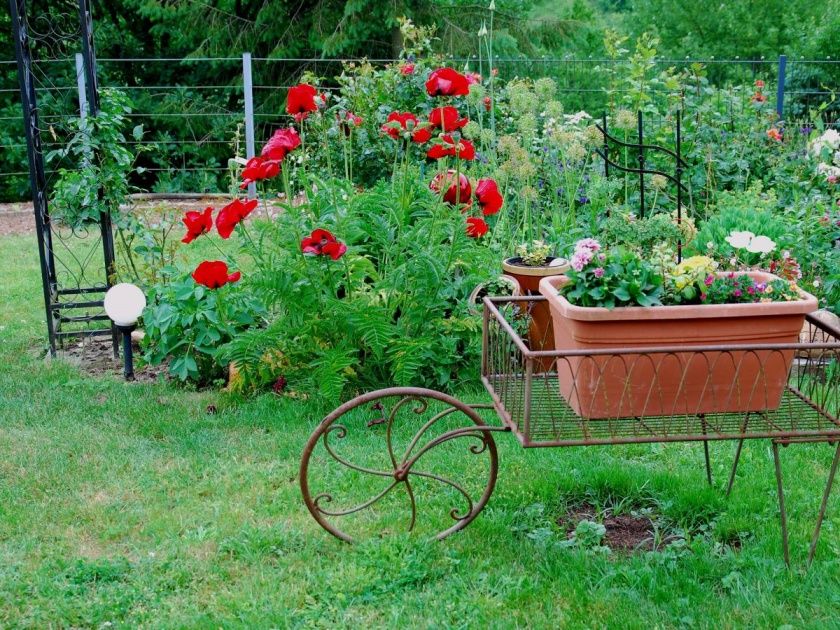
x: 625, y: 532
x: 95, y: 357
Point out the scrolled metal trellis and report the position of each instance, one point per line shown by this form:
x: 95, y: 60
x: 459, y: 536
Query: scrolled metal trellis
x: 73, y: 299
x: 641, y: 148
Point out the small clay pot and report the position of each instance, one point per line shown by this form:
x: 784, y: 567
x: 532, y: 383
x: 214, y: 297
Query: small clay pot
x: 540, y: 331
x: 479, y: 292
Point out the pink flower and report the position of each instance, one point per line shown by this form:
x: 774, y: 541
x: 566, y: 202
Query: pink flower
x: 774, y: 134
x: 709, y: 280
x: 588, y: 243
x: 703, y: 297
x: 580, y: 259
x: 407, y: 69
x: 599, y: 272
x: 737, y: 293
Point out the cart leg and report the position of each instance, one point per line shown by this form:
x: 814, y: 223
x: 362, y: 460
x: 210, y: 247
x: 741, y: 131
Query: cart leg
x: 782, y: 513
x: 737, y: 455
x: 734, y: 466
x: 816, y: 537
x: 706, y: 452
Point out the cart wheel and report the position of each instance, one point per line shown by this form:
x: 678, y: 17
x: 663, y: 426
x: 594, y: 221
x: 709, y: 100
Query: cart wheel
x: 395, y: 446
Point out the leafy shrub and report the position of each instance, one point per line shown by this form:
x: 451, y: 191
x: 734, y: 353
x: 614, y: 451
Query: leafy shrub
x: 752, y: 210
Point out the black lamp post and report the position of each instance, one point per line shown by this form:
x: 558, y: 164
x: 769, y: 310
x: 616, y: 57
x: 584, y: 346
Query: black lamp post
x: 124, y: 303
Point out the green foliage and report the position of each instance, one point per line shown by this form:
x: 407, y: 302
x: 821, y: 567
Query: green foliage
x: 753, y: 210
x: 98, y: 181
x: 186, y: 323
x: 393, y: 310
x: 640, y: 234
x: 621, y: 278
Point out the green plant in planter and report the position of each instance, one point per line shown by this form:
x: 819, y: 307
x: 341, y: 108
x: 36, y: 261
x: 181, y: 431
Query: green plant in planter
x: 534, y: 254
x: 612, y: 278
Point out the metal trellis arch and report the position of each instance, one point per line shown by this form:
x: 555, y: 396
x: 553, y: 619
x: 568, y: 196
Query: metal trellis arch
x: 73, y: 283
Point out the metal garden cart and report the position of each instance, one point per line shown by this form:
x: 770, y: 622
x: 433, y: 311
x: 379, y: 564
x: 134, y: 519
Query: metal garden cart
x: 530, y: 405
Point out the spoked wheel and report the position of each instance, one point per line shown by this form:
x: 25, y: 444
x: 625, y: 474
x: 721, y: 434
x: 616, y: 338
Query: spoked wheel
x: 383, y: 457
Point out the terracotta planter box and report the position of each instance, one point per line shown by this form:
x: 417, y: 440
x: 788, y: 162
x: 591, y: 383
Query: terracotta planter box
x: 678, y: 383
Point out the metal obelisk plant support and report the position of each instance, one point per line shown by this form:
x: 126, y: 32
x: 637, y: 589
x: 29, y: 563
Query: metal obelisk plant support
x: 58, y: 298
x: 641, y: 148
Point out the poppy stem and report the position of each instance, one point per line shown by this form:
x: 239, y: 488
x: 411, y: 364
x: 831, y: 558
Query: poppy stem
x: 223, y: 253
x: 347, y: 272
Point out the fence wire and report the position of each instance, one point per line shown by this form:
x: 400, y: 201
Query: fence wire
x: 193, y: 129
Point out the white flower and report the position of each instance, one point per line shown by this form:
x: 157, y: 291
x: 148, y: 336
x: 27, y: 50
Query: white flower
x: 710, y: 245
x: 739, y: 240
x: 829, y: 140
x: 761, y: 245
x: 576, y: 119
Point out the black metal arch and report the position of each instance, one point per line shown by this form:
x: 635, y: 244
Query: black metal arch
x: 73, y: 301
x: 641, y: 147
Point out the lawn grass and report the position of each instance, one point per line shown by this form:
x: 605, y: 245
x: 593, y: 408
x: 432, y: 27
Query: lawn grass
x: 130, y: 504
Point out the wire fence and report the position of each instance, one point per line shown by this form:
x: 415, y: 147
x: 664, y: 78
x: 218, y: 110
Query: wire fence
x: 191, y: 130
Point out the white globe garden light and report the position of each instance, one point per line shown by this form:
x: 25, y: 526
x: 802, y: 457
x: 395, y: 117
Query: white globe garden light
x: 124, y: 303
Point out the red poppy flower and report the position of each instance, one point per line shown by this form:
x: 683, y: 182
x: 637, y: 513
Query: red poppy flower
x: 214, y: 274
x: 197, y: 223
x: 407, y: 68
x: 352, y: 119
x: 487, y: 102
x: 258, y: 169
x: 300, y: 101
x: 488, y: 196
x: 323, y: 243
x: 759, y: 83
x: 454, y: 194
x: 774, y: 134
x: 232, y: 214
x: 464, y: 149
x: 283, y: 142
x: 398, y: 122
x: 758, y: 97
x: 423, y: 133
x: 447, y: 118
x: 476, y: 227
x: 348, y: 122
x: 447, y: 82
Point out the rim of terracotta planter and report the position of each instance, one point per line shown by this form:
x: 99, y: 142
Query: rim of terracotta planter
x: 550, y: 288
x: 510, y: 266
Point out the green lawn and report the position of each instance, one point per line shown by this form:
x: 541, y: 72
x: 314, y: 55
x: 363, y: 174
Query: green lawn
x: 130, y: 504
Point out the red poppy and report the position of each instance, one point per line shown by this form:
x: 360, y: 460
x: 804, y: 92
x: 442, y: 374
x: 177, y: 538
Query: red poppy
x: 488, y: 196
x: 487, y: 102
x: 447, y: 82
x: 214, y: 274
x: 283, y: 142
x: 447, y: 118
x: 232, y: 214
x: 455, y: 194
x: 759, y: 83
x: 352, y: 119
x: 476, y: 227
x: 258, y: 169
x: 407, y: 68
x: 398, y: 122
x: 323, y: 243
x: 463, y: 149
x: 758, y: 97
x: 300, y: 101
x: 774, y: 134
x: 423, y: 134
x: 197, y: 223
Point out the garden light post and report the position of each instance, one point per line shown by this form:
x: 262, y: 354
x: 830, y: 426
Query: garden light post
x: 124, y: 303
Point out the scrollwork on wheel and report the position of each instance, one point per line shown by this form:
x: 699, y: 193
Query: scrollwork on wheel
x: 403, y: 471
